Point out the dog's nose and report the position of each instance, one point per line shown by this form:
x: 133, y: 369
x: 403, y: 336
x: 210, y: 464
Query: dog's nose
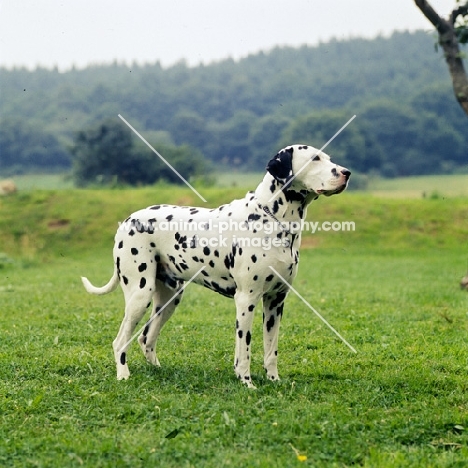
x: 346, y: 173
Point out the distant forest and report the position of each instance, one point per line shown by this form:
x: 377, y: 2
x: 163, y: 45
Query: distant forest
x: 238, y: 114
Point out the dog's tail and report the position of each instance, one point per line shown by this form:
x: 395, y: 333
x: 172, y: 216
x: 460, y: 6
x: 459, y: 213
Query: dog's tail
x: 109, y: 287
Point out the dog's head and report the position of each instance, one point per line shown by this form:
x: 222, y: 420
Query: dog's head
x: 302, y: 167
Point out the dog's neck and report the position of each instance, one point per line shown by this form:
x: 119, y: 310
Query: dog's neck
x: 288, y: 205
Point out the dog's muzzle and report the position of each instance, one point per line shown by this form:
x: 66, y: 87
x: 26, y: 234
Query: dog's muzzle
x: 345, y: 174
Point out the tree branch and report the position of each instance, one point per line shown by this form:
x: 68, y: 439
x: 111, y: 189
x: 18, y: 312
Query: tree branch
x: 449, y: 42
x: 430, y: 14
x: 461, y: 10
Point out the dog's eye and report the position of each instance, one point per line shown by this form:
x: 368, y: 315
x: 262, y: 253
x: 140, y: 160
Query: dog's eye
x: 317, y: 158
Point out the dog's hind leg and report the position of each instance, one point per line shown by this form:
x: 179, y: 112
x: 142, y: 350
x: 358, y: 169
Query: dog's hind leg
x: 136, y: 303
x: 165, y: 300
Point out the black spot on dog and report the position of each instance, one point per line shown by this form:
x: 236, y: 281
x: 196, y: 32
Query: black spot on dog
x: 229, y: 292
x: 275, y: 207
x: 206, y: 251
x: 270, y: 323
x: 279, y: 299
x: 141, y: 228
x: 251, y: 307
x: 123, y: 358
x: 254, y: 258
x: 279, y: 310
x: 120, y: 244
x: 142, y: 267
x: 248, y: 338
x: 125, y: 279
x: 169, y: 218
x: 240, y: 334
x: 134, y: 251
x: 142, y: 282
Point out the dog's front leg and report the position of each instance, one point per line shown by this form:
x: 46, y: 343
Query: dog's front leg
x: 245, y: 305
x: 272, y: 314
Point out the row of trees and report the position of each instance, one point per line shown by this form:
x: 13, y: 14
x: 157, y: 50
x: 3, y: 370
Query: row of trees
x: 238, y: 114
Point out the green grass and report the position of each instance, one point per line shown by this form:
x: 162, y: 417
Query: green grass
x: 401, y: 401
x: 390, y: 288
x: 402, y: 187
x: 40, y: 224
x: 42, y: 181
x: 421, y: 186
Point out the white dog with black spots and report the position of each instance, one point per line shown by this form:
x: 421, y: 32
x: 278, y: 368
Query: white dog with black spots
x: 152, y: 261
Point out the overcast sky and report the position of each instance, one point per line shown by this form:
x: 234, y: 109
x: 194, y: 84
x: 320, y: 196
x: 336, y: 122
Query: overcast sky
x: 82, y: 32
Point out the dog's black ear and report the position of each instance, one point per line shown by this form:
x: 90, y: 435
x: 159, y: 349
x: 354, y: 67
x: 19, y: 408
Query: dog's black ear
x: 280, y: 167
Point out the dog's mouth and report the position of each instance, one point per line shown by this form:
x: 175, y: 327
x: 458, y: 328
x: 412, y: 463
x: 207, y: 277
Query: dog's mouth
x: 329, y: 193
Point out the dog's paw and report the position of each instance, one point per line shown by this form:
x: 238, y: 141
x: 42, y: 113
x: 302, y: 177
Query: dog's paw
x: 273, y: 377
x: 247, y: 381
x: 272, y: 374
x: 250, y: 385
x: 148, y: 352
x: 153, y: 359
x: 123, y: 374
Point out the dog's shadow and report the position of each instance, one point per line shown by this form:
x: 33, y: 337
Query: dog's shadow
x: 197, y: 379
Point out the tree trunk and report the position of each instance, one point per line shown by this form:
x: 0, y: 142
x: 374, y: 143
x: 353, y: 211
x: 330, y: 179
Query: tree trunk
x: 449, y: 42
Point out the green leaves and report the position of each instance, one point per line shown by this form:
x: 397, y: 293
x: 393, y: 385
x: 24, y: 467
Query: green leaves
x: 109, y: 154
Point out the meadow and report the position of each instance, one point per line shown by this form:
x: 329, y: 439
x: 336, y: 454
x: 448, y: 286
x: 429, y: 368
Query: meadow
x: 391, y: 288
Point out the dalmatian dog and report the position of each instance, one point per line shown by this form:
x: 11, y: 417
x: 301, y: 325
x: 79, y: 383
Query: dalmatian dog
x: 247, y: 250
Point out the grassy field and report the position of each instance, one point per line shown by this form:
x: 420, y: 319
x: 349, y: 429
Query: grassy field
x: 403, y: 187
x: 390, y: 288
x: 421, y: 186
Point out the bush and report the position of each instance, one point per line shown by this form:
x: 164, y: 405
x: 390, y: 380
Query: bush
x: 108, y: 155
